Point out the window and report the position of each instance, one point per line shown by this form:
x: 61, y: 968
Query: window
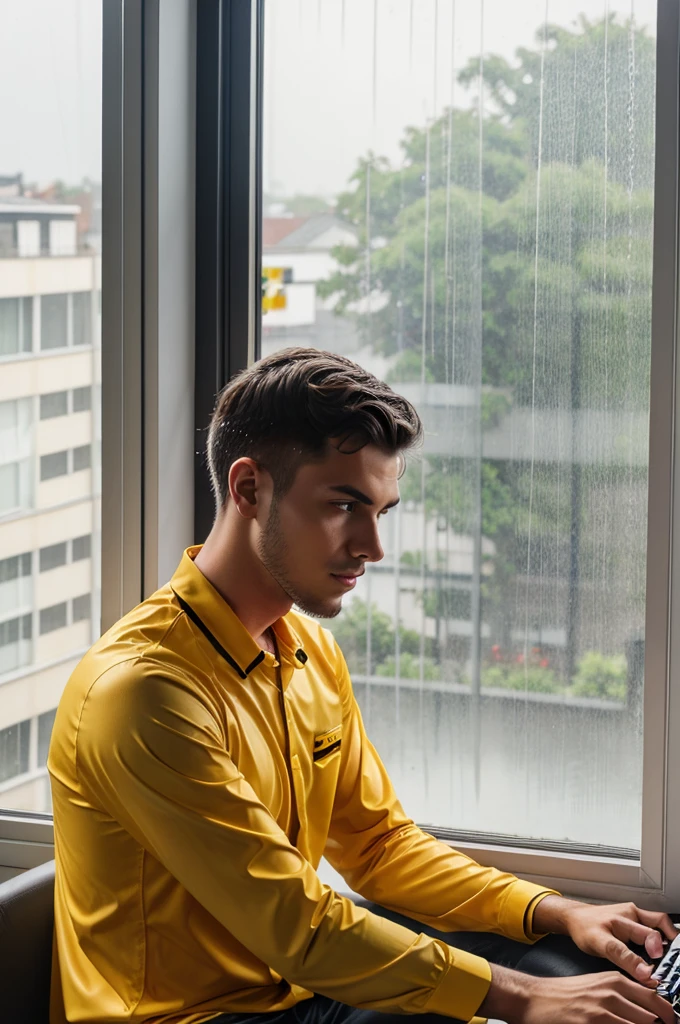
x: 54, y: 321
x: 53, y: 404
x: 51, y: 279
x: 15, y: 567
x: 13, y: 630
x: 53, y: 617
x: 16, y: 326
x: 458, y: 238
x: 81, y: 547
x: 15, y: 643
x: 54, y: 464
x: 82, y: 607
x: 14, y: 750
x: 53, y: 556
x: 82, y: 399
x: 62, y: 235
x: 45, y: 723
x: 82, y: 318
x: 82, y: 457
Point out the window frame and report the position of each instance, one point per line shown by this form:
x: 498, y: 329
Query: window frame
x: 137, y: 282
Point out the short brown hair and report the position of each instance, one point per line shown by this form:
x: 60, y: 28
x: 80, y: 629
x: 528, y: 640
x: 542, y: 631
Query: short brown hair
x: 283, y: 410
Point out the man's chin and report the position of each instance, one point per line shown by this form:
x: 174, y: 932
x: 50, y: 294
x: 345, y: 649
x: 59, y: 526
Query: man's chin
x: 320, y: 608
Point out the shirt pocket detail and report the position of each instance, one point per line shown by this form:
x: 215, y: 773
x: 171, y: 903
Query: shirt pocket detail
x: 326, y: 744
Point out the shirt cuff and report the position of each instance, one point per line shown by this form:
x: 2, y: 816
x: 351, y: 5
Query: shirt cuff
x: 515, y: 916
x: 529, y: 916
x: 462, y: 988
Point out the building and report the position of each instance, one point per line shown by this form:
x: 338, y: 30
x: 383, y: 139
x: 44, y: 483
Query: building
x: 50, y: 282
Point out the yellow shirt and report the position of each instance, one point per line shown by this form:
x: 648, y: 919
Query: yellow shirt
x: 196, y: 784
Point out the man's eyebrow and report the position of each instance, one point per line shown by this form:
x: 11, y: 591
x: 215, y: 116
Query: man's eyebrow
x: 353, y: 492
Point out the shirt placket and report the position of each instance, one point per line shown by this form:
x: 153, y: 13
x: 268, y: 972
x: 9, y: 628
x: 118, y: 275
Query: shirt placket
x: 296, y: 774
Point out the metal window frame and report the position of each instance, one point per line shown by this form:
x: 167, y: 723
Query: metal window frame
x: 228, y: 211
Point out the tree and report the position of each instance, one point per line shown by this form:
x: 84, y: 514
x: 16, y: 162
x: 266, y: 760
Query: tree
x: 524, y: 277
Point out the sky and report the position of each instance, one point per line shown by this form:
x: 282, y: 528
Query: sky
x: 341, y: 77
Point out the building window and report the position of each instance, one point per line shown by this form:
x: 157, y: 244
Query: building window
x: 54, y: 464
x: 82, y: 457
x: 82, y: 399
x: 15, y: 643
x: 53, y: 617
x: 52, y: 557
x: 15, y: 567
x: 13, y: 630
x: 16, y: 326
x: 9, y: 487
x: 53, y: 404
x: 62, y: 236
x: 14, y: 750
x: 81, y: 547
x: 45, y: 724
x: 53, y: 321
x: 82, y: 607
x: 82, y: 318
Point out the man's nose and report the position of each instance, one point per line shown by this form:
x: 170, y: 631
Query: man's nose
x: 366, y: 545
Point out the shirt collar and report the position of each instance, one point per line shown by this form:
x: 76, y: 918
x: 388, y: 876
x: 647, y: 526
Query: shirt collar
x: 221, y: 626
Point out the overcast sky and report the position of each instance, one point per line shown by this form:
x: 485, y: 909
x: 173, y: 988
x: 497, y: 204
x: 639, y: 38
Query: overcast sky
x: 322, y: 110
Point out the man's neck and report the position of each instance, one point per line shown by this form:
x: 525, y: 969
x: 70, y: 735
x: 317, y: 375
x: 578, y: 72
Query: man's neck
x: 255, y: 597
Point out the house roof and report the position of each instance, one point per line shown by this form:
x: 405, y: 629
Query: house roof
x: 299, y: 232
x: 311, y: 228
x: 276, y: 228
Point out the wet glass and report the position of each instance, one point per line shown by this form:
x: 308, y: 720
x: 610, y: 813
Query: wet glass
x: 460, y: 198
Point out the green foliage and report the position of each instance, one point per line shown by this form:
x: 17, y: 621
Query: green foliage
x: 350, y: 630
x: 514, y: 677
x: 409, y: 667
x: 601, y: 675
x: 535, y: 297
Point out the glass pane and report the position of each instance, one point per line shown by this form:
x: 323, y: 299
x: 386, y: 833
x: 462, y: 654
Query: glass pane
x: 53, y: 404
x: 464, y: 206
x: 54, y: 321
x: 50, y: 378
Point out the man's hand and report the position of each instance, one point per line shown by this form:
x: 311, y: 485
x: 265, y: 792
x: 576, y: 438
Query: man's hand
x: 605, y: 931
x: 607, y: 998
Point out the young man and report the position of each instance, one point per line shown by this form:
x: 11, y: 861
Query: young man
x: 208, y: 751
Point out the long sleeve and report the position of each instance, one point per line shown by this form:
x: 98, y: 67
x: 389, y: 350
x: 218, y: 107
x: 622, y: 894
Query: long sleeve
x: 152, y: 754
x: 383, y: 855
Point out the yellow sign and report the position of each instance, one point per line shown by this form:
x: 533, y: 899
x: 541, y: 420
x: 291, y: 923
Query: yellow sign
x: 273, y: 291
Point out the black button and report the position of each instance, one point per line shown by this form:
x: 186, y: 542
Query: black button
x: 301, y: 656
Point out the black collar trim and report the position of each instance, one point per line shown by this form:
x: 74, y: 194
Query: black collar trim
x: 215, y: 642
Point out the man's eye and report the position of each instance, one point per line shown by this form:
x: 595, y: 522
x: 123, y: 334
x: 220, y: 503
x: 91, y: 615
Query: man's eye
x: 347, y: 506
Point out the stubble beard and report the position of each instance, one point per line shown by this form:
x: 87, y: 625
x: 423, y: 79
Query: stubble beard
x: 272, y: 552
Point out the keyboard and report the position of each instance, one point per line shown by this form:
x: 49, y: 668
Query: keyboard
x: 668, y: 975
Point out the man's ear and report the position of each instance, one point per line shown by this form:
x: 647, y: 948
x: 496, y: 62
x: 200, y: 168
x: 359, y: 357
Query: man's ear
x: 244, y: 486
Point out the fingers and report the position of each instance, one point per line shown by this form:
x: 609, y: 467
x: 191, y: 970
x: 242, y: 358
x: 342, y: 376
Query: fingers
x: 642, y: 935
x: 619, y: 954
x: 649, y: 1001
x: 623, y: 1008
x: 662, y: 922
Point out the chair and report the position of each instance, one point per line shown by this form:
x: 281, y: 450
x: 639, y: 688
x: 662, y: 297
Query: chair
x: 26, y: 925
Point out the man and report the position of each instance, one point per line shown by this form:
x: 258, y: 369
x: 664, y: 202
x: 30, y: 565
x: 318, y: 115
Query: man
x: 208, y: 751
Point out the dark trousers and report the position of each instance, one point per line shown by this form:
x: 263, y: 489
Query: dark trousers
x: 552, y: 957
